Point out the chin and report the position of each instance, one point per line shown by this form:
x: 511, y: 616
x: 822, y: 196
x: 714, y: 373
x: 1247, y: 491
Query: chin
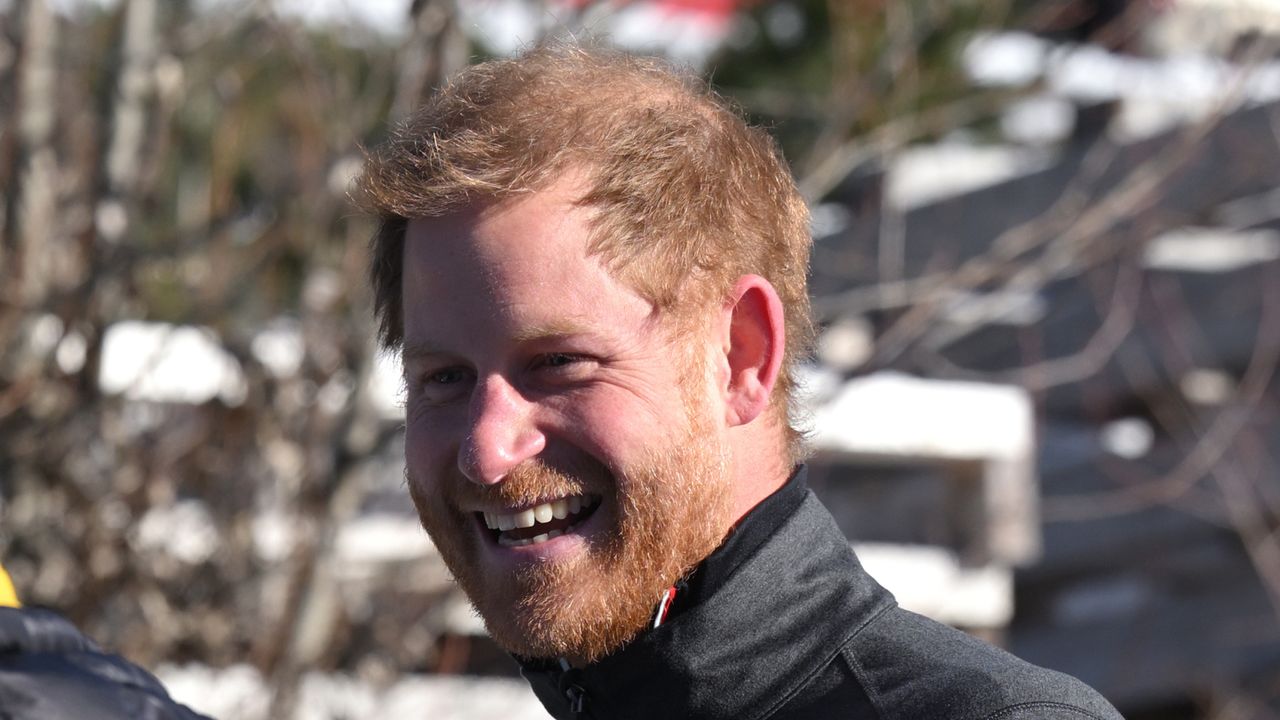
x: 587, y: 592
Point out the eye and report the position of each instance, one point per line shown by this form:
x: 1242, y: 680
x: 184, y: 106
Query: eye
x: 448, y: 376
x: 564, y: 365
x: 441, y: 385
x: 556, y: 360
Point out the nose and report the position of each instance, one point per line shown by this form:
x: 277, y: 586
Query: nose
x: 502, y: 434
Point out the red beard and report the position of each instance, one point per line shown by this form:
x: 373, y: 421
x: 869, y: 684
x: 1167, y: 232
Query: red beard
x: 663, y: 515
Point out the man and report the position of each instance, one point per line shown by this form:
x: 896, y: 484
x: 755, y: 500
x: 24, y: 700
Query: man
x: 596, y: 274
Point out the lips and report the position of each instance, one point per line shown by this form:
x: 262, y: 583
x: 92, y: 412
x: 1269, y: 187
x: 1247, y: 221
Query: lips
x: 539, y: 523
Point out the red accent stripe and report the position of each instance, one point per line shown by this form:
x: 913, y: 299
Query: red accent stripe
x: 664, y: 606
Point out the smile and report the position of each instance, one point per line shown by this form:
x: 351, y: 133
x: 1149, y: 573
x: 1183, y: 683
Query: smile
x: 540, y: 523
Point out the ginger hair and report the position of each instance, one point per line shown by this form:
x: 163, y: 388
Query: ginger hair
x: 687, y: 196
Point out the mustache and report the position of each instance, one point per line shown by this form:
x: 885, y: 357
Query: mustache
x: 528, y: 483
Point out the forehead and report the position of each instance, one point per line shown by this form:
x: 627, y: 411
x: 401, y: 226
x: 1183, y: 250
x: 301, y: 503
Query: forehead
x: 518, y: 264
x: 538, y: 236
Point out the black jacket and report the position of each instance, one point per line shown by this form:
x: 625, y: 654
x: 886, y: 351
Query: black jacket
x: 49, y: 671
x: 782, y: 622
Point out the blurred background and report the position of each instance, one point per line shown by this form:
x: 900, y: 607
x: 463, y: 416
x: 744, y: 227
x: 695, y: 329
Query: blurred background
x: 1044, y: 403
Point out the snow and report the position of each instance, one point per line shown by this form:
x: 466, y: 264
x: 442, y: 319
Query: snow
x: 183, y: 530
x: 1005, y: 59
x: 898, y: 415
x: 688, y: 37
x: 1091, y: 73
x: 160, y: 362
x: 234, y: 692
x: 846, y: 344
x: 931, y: 581
x: 45, y: 333
x: 1259, y: 6
x: 240, y: 692
x: 1213, y: 25
x: 503, y: 26
x: 387, y: 16
x: 1207, y: 386
x: 1212, y: 250
x: 1156, y: 93
x: 1038, y: 120
x: 274, y: 534
x: 1130, y: 437
x: 381, y: 538
x: 168, y: 363
x: 686, y: 33
x: 828, y: 219
x: 279, y: 347
x: 1018, y: 308
x: 924, y: 174
x: 71, y: 352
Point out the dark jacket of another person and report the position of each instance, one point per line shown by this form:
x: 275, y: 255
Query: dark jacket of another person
x: 50, y: 671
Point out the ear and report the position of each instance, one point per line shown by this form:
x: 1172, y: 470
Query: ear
x: 753, y: 337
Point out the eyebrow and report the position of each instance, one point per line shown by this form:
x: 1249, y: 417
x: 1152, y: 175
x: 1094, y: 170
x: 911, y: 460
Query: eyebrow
x: 552, y: 330
x: 411, y: 349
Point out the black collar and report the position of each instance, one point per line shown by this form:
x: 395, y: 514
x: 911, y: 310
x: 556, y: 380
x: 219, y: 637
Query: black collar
x: 759, y: 615
x: 756, y: 527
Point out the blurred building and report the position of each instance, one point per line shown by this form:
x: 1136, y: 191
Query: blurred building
x: 1136, y: 200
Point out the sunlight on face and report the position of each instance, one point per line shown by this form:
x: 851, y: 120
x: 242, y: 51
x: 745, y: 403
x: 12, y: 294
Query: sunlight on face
x: 536, y: 378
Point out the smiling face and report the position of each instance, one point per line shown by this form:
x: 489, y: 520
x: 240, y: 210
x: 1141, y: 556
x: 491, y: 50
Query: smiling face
x: 565, y: 451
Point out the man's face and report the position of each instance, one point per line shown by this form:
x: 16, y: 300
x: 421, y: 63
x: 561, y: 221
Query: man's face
x: 541, y: 390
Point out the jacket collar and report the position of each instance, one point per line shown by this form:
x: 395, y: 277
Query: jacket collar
x: 759, y: 616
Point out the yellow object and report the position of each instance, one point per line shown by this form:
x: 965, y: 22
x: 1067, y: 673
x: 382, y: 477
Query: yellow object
x: 8, y: 598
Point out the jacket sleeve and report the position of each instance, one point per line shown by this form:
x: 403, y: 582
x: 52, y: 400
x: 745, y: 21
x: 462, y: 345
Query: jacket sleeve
x: 1053, y: 711
x: 49, y: 670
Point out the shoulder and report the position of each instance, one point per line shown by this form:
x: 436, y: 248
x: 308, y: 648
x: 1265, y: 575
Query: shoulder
x: 920, y: 668
x: 904, y: 666
x: 1047, y: 710
x: 49, y: 669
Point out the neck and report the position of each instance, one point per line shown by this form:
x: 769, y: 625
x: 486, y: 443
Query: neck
x: 758, y: 464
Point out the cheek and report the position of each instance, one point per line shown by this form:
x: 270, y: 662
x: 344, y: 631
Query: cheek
x: 420, y: 473
x: 616, y: 433
x: 427, y: 453
x: 428, y: 466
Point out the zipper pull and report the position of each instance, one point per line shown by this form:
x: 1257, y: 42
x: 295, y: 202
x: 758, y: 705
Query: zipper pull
x: 573, y: 692
x: 577, y: 699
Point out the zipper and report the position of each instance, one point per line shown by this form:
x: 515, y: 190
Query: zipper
x: 570, y: 680
x: 571, y: 687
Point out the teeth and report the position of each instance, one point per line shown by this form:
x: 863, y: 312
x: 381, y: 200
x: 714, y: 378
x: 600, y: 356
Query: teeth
x: 507, y: 542
x: 544, y: 513
x: 524, y: 519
